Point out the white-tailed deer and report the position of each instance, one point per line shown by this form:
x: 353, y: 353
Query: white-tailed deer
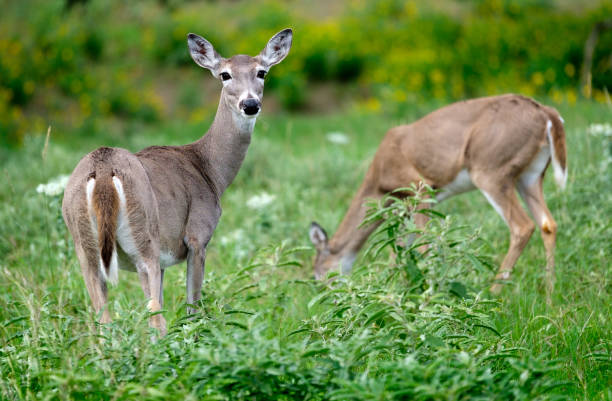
x: 496, y: 144
x: 149, y: 210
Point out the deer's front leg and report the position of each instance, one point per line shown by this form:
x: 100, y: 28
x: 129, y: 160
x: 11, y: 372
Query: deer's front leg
x: 196, y: 239
x: 201, y: 224
x: 195, y: 273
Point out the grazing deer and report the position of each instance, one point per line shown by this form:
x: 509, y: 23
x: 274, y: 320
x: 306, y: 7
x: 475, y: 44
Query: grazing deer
x: 149, y: 210
x: 495, y: 144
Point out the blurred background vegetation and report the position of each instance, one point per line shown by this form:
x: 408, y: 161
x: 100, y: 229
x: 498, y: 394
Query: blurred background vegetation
x: 93, y: 66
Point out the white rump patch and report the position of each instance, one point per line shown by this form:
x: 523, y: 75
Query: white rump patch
x: 91, y: 183
x: 462, y: 183
x: 560, y: 173
x: 124, y: 233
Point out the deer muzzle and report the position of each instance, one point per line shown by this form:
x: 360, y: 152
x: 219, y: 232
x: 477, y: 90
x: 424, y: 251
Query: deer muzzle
x: 250, y: 107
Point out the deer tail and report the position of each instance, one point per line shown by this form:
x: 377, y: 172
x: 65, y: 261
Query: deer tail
x: 558, y: 150
x: 105, y: 202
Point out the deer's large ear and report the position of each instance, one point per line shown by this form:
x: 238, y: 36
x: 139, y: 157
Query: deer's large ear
x: 318, y: 236
x: 202, y: 52
x: 277, y: 48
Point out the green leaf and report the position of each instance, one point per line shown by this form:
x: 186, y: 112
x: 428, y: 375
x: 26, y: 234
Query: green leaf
x: 457, y: 288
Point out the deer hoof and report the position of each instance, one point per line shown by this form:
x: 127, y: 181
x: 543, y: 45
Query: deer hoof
x: 495, y: 289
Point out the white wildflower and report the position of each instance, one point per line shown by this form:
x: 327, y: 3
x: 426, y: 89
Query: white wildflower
x: 234, y: 236
x: 523, y: 377
x: 54, y: 187
x: 463, y: 357
x: 410, y: 360
x: 238, y: 242
x: 600, y: 129
x: 338, y: 138
x: 260, y: 201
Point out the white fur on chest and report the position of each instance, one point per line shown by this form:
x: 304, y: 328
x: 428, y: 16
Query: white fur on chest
x: 124, y: 233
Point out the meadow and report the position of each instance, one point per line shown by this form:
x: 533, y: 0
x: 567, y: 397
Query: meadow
x: 403, y: 325
x: 416, y: 327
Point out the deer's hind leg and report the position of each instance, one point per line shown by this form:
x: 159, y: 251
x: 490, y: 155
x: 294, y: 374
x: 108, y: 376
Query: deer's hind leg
x: 88, y: 254
x: 533, y: 196
x: 146, y: 259
x: 150, y: 275
x: 138, y: 236
x: 198, y: 232
x: 502, y: 196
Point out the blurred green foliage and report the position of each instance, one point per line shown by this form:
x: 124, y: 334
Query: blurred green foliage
x: 88, y: 65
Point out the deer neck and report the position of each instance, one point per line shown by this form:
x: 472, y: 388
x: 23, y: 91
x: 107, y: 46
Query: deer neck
x: 224, y: 146
x: 350, y: 237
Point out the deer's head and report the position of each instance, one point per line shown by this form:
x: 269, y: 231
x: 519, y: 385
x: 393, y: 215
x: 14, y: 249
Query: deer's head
x: 327, y: 258
x: 242, y: 76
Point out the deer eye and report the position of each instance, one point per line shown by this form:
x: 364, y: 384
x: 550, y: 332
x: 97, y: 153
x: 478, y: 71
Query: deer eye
x: 225, y: 76
x: 261, y: 74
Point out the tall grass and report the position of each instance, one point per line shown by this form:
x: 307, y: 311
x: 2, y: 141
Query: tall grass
x: 407, y: 326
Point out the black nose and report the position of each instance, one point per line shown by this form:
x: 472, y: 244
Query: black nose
x: 250, y: 106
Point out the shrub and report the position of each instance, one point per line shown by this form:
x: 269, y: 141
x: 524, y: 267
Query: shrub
x: 396, y: 51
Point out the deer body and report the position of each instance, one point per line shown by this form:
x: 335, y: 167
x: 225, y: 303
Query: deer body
x: 495, y: 144
x: 149, y: 210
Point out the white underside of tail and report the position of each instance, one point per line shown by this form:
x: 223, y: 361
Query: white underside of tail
x: 560, y: 172
x: 113, y: 271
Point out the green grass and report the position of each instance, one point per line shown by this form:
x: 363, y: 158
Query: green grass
x: 268, y: 331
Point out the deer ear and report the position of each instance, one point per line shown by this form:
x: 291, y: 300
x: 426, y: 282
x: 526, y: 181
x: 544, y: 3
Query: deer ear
x: 277, y: 48
x: 202, y: 52
x: 318, y: 236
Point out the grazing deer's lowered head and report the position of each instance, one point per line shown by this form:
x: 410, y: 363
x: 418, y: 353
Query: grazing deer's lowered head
x: 149, y: 210
x: 329, y: 257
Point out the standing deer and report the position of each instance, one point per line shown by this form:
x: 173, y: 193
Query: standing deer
x: 149, y: 210
x: 495, y: 144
